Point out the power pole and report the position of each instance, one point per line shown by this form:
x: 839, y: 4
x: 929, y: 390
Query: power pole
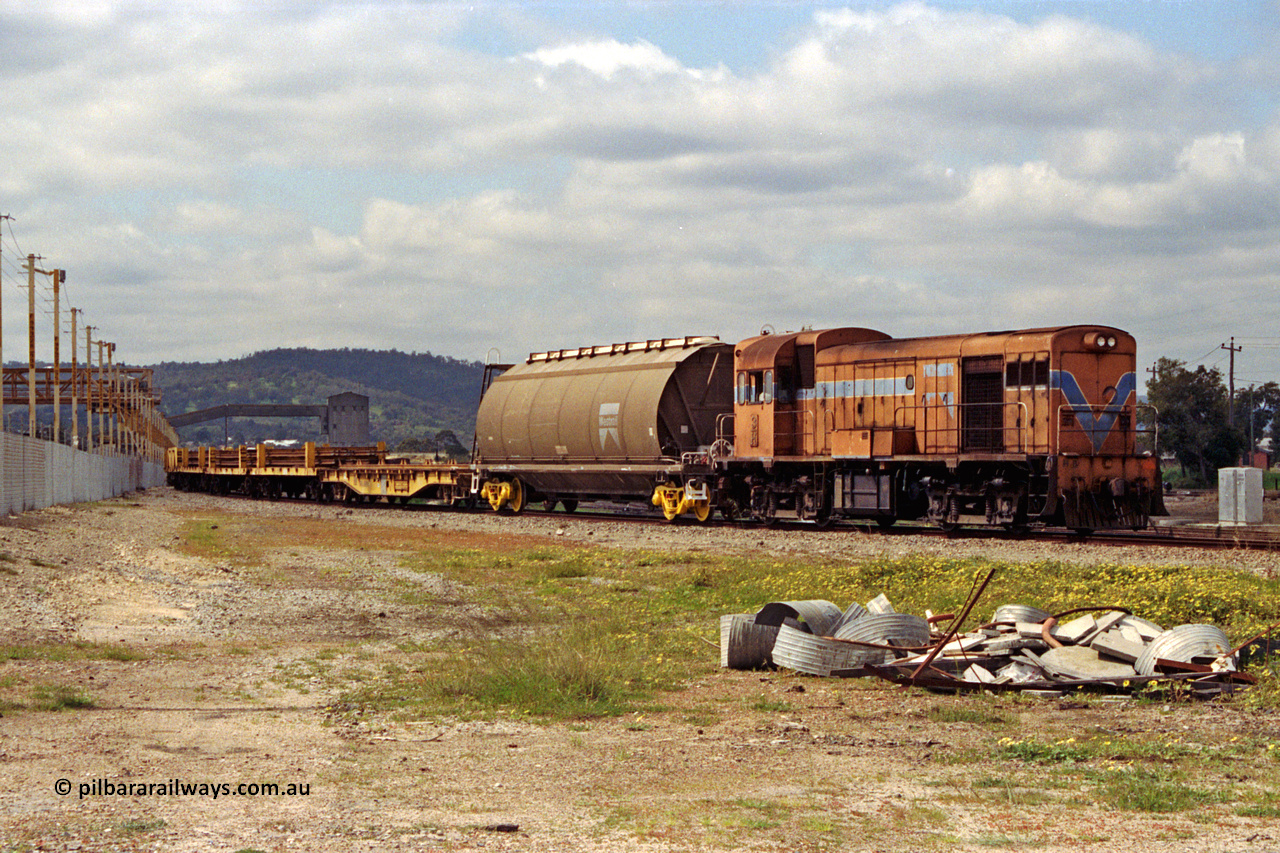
x: 57, y: 358
x: 102, y: 396
x: 31, y: 339
x: 1231, y: 381
x: 31, y: 345
x: 88, y: 387
x: 2, y: 218
x: 113, y: 398
x: 1252, y: 446
x: 75, y: 405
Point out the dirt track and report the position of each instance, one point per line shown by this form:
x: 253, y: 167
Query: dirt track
x: 202, y: 672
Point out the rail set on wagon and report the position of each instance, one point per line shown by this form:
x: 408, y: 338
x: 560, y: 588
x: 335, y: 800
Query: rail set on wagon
x: 1009, y: 429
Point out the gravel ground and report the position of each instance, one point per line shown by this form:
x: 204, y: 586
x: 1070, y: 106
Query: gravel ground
x: 203, y: 671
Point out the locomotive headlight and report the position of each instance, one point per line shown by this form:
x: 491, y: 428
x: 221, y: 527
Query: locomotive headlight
x: 1111, y: 342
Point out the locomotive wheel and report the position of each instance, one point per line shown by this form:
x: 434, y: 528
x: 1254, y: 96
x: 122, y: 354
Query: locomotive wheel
x: 569, y: 505
x: 549, y: 505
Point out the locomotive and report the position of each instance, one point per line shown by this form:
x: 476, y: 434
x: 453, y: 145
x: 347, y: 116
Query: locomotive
x: 1000, y: 429
x: 1007, y: 429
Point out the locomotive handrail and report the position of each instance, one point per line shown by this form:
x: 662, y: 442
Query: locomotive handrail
x: 801, y: 432
x: 1153, y: 430
x: 721, y: 420
x: 1021, y: 427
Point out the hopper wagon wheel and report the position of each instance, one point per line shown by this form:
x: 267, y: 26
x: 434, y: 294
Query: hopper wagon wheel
x: 569, y: 505
x: 702, y: 511
x: 517, y: 502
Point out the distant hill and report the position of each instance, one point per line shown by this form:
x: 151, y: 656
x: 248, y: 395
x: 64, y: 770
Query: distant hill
x: 413, y: 397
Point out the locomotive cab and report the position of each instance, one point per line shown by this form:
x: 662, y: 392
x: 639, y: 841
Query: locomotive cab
x: 777, y: 408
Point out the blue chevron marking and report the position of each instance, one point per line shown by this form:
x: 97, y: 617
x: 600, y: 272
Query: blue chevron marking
x: 1099, y: 427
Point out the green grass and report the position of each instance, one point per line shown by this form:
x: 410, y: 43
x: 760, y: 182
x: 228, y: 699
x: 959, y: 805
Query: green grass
x: 976, y: 714
x: 771, y: 706
x: 58, y: 697
x: 1156, y: 790
x: 76, y: 650
x: 565, y: 631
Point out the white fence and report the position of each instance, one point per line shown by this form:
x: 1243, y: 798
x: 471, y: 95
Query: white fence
x: 37, y: 473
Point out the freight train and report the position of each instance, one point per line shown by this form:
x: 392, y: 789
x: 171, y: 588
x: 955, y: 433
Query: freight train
x: 1001, y: 429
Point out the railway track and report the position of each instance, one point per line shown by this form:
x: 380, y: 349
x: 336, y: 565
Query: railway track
x: 1171, y: 535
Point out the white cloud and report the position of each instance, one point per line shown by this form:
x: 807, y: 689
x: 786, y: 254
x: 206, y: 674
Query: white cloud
x: 366, y: 175
x: 608, y: 57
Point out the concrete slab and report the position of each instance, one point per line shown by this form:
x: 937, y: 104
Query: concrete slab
x: 880, y: 604
x: 1005, y: 645
x: 1071, y: 632
x: 1083, y: 662
x: 1113, y: 644
x: 1147, y: 629
x: 1029, y: 629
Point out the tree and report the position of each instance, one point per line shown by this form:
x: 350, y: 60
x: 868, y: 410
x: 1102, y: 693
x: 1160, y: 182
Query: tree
x: 1259, y: 407
x: 1193, y: 423
x: 448, y: 444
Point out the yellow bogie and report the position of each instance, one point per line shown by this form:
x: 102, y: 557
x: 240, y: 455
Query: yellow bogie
x: 505, y: 494
x: 517, y: 502
x: 675, y: 503
x: 701, y: 511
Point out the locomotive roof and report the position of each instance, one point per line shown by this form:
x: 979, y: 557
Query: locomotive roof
x: 761, y: 352
x: 991, y: 343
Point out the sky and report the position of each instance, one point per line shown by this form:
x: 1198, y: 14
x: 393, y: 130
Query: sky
x: 483, y: 180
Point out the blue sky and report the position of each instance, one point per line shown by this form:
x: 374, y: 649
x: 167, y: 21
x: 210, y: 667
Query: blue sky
x: 459, y: 177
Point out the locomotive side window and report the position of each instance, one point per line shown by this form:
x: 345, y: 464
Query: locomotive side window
x: 755, y: 386
x: 783, y: 391
x: 1027, y: 374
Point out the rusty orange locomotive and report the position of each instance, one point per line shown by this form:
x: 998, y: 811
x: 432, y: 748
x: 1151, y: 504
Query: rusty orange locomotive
x: 1002, y: 428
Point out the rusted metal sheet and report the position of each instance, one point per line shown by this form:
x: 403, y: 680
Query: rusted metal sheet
x: 745, y: 644
x: 815, y: 615
x: 1006, y: 653
x: 1186, y: 643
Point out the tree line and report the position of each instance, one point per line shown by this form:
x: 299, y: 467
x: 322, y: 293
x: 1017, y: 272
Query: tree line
x: 418, y: 402
x: 1200, y: 425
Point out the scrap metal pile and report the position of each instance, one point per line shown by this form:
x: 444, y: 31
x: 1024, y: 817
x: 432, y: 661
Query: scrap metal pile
x: 1020, y: 648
